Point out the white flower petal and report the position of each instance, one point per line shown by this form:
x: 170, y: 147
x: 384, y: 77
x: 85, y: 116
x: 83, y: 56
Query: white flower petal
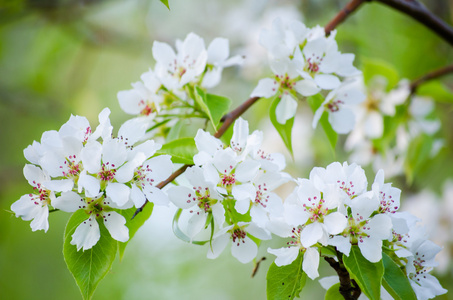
x: 327, y: 82
x: 182, y: 196
x: 286, y: 108
x: 335, y: 222
x: 115, y: 224
x: 311, y: 263
x: 245, y: 250
x: 155, y: 195
x: 69, y: 202
x: 307, y: 87
x: 285, y: 256
x: 87, y: 234
x: 218, y: 245
x: 118, y: 192
x: 266, y: 88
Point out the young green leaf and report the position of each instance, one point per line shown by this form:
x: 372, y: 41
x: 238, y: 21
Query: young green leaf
x: 315, y: 102
x: 174, y: 131
x: 212, y: 105
x: 368, y: 275
x: 165, y: 2
x: 286, y: 282
x: 333, y: 293
x: 135, y: 223
x: 395, y: 281
x: 218, y: 106
x: 181, y: 150
x: 284, y: 130
x: 90, y: 266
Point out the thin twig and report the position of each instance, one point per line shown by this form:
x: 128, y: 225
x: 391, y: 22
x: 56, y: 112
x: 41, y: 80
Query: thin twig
x: 343, y: 14
x: 227, y: 120
x: 430, y: 76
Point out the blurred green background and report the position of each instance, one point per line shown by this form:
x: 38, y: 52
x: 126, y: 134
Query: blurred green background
x: 63, y: 57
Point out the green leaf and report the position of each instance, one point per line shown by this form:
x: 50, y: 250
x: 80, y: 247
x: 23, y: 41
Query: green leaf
x: 372, y: 68
x: 436, y: 90
x: 181, y: 150
x: 90, y: 266
x: 135, y: 223
x: 333, y: 293
x: 218, y: 107
x: 286, y: 282
x: 368, y: 275
x: 165, y: 2
x: 284, y: 130
x: 212, y: 105
x: 418, y: 153
x: 174, y: 132
x: 395, y: 281
x: 315, y: 102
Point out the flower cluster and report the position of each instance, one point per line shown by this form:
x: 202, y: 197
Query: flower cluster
x: 168, y: 89
x: 78, y: 169
x: 411, y: 121
x: 233, y: 186
x: 334, y: 208
x: 306, y: 62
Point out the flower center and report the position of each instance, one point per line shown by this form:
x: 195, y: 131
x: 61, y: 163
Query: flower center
x: 106, y: 174
x: 203, y: 198
x: 334, y: 105
x: 317, y: 210
x: 238, y: 235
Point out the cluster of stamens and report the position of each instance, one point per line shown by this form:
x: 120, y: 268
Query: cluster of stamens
x: 42, y: 198
x: 263, y: 155
x: 295, y: 236
x: 346, y: 188
x: 260, y: 197
x: 317, y: 210
x: 356, y: 228
x: 148, y: 108
x: 238, y: 235
x: 420, y: 269
x: 387, y: 205
x: 87, y: 134
x: 228, y: 179
x: 73, y: 167
x: 285, y: 82
x: 140, y: 176
x: 313, y: 66
x: 202, y: 197
x: 334, y: 105
x: 107, y: 174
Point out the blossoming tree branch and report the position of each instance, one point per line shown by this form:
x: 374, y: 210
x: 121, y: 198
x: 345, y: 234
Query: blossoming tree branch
x: 225, y: 188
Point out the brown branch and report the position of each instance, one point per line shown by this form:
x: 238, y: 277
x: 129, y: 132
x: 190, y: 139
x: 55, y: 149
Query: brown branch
x: 227, y: 120
x: 430, y: 76
x: 412, y: 8
x: 343, y: 14
x: 347, y: 290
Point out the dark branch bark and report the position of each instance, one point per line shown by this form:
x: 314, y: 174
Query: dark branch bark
x: 430, y: 76
x: 412, y: 8
x: 348, y: 288
x: 227, y: 120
